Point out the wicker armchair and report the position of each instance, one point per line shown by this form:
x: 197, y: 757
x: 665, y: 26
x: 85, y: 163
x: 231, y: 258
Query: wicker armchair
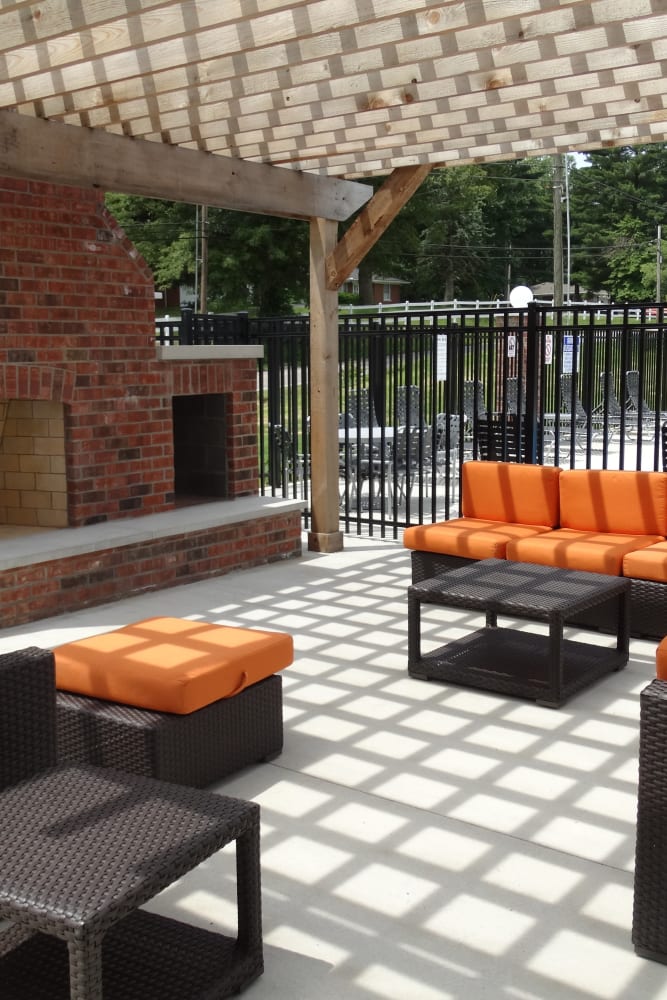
x: 84, y: 847
x: 649, y: 923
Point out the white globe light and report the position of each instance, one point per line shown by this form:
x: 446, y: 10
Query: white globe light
x: 520, y: 296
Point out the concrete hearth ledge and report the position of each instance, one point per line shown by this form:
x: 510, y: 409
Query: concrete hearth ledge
x: 210, y: 352
x: 63, y: 542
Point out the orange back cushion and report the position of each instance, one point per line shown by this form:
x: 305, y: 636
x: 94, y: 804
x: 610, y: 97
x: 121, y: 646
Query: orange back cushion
x: 509, y: 491
x: 624, y: 502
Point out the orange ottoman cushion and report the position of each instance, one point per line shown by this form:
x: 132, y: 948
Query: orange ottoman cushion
x: 170, y: 664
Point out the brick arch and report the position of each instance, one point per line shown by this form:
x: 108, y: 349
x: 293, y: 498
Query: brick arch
x: 31, y: 381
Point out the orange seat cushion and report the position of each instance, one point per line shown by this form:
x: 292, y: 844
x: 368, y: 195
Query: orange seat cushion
x: 661, y: 660
x: 467, y: 537
x: 592, y: 551
x: 170, y: 664
x: 512, y: 492
x: 622, y: 502
x: 647, y: 564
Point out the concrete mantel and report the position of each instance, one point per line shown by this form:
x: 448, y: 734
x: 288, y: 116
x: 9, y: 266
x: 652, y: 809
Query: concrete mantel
x: 210, y: 352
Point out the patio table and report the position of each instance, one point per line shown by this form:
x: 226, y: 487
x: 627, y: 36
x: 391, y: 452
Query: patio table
x: 546, y: 668
x: 82, y: 849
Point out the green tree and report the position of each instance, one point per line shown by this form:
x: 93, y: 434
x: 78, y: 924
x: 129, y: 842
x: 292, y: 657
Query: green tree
x: 469, y: 232
x: 521, y: 216
x: 632, y: 262
x: 453, y: 230
x: 162, y: 231
x: 254, y: 262
x: 617, y: 202
x: 257, y: 262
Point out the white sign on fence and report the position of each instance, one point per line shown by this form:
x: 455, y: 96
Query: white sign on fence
x: 568, y: 353
x: 548, y: 348
x: 511, y: 346
x: 441, y: 357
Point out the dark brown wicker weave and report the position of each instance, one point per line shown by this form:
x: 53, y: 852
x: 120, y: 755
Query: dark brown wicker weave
x: 649, y: 922
x: 194, y: 749
x: 83, y: 847
x: 648, y: 599
x: 548, y: 669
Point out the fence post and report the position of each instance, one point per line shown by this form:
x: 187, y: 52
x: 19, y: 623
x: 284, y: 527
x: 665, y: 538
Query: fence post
x: 532, y: 382
x: 377, y: 357
x: 243, y: 327
x: 185, y: 333
x: 274, y: 407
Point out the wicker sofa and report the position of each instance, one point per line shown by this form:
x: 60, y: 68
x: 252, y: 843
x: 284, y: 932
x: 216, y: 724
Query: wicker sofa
x: 602, y: 521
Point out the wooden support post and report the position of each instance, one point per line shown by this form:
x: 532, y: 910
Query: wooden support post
x: 325, y: 535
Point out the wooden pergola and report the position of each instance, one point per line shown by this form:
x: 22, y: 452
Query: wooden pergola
x: 280, y: 106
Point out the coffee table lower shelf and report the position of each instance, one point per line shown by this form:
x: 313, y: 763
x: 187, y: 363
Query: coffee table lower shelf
x: 517, y: 663
x: 145, y: 957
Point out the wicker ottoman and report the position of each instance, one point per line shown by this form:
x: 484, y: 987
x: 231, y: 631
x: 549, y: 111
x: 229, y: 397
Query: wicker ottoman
x: 171, y: 735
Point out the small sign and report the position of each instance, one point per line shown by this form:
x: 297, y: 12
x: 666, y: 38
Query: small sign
x: 511, y: 346
x: 548, y: 349
x: 441, y: 357
x: 568, y: 353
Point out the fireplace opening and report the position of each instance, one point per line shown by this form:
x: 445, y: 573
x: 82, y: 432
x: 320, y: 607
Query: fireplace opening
x: 33, y: 476
x: 200, y: 465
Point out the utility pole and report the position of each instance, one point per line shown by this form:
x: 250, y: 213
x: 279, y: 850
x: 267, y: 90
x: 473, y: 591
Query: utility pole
x: 203, y: 284
x: 197, y: 262
x: 559, y: 174
x: 568, y: 273
x: 658, y: 266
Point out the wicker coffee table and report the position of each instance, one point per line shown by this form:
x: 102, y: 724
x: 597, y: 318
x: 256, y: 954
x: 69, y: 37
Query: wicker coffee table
x: 82, y: 849
x: 545, y: 668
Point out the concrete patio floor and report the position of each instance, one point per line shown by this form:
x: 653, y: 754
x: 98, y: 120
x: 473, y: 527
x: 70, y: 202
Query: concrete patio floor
x: 419, y: 841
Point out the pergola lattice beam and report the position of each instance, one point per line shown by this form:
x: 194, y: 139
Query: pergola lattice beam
x: 64, y: 154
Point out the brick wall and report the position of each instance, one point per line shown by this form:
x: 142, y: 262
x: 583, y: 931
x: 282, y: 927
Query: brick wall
x: 86, y: 419
x: 42, y: 589
x: 77, y: 329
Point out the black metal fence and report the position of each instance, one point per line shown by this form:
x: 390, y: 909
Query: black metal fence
x: 421, y: 392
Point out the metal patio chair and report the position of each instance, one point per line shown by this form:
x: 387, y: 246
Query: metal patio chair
x: 571, y: 410
x: 609, y: 416
x: 361, y: 409
x: 636, y: 403
x: 291, y: 465
x: 474, y: 412
x: 407, y: 405
x: 512, y: 396
x: 447, y: 444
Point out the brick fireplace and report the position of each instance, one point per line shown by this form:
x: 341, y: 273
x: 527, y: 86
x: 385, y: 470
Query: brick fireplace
x: 98, y: 424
